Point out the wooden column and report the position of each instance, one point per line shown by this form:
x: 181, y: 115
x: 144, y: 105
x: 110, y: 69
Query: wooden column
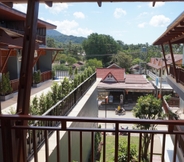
x: 28, y: 50
x: 25, y: 80
x: 173, y: 61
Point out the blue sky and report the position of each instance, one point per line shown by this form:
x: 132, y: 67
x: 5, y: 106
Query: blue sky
x: 131, y: 23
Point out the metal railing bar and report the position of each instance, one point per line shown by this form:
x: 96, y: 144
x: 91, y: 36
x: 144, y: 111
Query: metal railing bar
x: 46, y: 146
x: 116, y: 142
x: 163, y: 147
x: 81, y: 160
x: 128, y: 147
x: 151, y: 146
x: 92, y: 146
x: 57, y: 147
x: 175, y: 148
x: 34, y: 146
x: 104, y: 146
x: 140, y: 146
x: 69, y: 146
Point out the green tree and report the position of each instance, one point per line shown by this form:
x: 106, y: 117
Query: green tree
x: 94, y: 63
x: 71, y: 60
x: 51, y: 42
x: 70, y: 72
x: 123, y: 60
x: 101, y: 47
x: 147, y: 107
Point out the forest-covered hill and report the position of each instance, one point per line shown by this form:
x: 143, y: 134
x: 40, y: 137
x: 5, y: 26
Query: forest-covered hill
x: 59, y: 37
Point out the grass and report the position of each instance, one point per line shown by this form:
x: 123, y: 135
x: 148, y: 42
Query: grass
x: 110, y: 143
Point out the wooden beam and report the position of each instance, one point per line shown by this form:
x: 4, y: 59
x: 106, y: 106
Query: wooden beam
x: 49, y: 3
x: 154, y: 3
x: 9, y: 4
x: 6, y: 60
x: 37, y: 58
x: 173, y: 61
x: 55, y: 56
x: 163, y: 51
x: 99, y: 3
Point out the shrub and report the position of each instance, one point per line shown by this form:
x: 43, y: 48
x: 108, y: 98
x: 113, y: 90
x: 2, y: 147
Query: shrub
x: 5, y: 85
x: 37, y: 77
x: 123, y: 152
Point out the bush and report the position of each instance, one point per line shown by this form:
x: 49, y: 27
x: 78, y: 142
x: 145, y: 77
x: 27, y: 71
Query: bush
x: 37, y: 77
x: 123, y: 152
x: 5, y: 85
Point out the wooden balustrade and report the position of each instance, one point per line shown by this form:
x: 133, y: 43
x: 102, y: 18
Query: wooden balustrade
x: 47, y: 125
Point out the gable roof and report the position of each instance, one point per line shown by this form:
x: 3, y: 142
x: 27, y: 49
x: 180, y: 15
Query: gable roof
x: 114, y: 66
x: 118, y: 74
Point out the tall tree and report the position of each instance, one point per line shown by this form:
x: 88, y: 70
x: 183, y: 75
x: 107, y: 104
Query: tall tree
x: 123, y: 60
x: 101, y: 47
x: 147, y: 107
x: 51, y: 42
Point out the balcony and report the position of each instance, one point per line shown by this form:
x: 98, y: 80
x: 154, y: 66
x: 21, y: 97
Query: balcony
x: 57, y: 137
x: 80, y: 136
x: 177, y: 83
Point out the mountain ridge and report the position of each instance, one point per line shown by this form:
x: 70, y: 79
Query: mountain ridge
x: 59, y: 37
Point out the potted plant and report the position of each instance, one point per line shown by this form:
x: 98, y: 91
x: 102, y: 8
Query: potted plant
x: 5, y: 87
x: 36, y: 78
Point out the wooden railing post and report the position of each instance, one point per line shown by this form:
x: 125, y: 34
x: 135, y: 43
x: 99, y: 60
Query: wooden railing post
x: 8, y: 141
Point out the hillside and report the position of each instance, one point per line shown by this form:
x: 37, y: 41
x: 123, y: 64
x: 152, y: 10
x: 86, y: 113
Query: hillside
x: 59, y: 37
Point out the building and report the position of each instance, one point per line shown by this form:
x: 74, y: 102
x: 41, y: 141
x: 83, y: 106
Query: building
x: 13, y: 127
x: 114, y: 82
x: 175, y: 75
x: 12, y: 23
x: 158, y: 72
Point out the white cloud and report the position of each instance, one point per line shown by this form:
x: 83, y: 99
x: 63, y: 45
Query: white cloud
x: 20, y: 7
x: 142, y: 25
x: 141, y: 15
x: 71, y: 28
x: 159, y: 20
x: 139, y: 6
x: 157, y: 4
x: 79, y: 15
x: 57, y: 8
x: 119, y: 13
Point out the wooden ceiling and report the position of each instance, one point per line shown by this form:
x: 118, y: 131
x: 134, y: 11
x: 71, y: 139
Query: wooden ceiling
x: 11, y: 14
x: 99, y: 2
x: 174, y: 32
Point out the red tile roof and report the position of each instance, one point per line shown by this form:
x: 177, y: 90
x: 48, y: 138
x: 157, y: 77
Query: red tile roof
x: 158, y: 62
x: 135, y: 79
x: 118, y: 74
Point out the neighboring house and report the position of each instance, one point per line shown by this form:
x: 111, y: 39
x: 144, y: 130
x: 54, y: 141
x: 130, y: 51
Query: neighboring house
x: 112, y: 66
x: 175, y: 75
x: 156, y: 66
x: 115, y: 82
x: 135, y: 69
x: 78, y: 65
x: 12, y: 24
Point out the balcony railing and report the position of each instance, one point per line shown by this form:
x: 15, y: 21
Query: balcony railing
x: 15, y: 84
x: 180, y: 74
x: 46, y: 76
x: 9, y: 124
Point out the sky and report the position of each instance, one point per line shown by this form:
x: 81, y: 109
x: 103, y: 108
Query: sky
x: 132, y: 23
